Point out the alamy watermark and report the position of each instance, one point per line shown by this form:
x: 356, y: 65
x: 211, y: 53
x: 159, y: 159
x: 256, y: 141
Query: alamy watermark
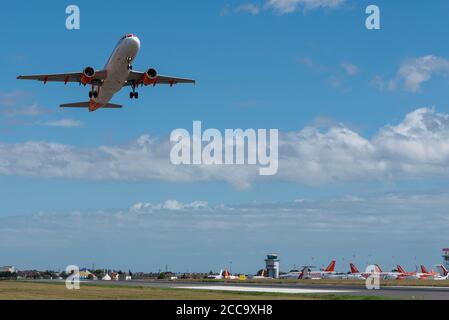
x: 372, y: 281
x: 236, y: 147
x: 72, y: 281
x: 73, y: 21
x: 373, y: 20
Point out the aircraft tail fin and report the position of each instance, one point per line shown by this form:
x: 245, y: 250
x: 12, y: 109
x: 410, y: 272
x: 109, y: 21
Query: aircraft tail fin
x: 331, y: 267
x: 424, y: 269
x: 378, y: 268
x: 87, y: 104
x: 400, y: 269
x: 442, y: 270
x: 353, y: 268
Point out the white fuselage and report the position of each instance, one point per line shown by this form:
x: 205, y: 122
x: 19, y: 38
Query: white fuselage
x: 117, y: 69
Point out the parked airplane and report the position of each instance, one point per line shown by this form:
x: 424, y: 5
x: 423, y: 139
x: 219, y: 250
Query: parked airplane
x: 423, y: 275
x: 355, y: 274
x: 216, y: 276
x: 443, y: 273
x: 426, y: 275
x: 386, y: 275
x: 402, y: 274
x: 308, y: 273
x: 261, y: 275
x: 229, y: 276
x: 295, y: 274
x: 323, y: 274
x: 117, y: 73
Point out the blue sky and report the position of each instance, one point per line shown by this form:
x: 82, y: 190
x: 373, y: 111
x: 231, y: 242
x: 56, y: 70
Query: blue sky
x: 362, y: 114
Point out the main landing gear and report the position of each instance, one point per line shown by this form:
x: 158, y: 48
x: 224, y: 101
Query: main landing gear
x: 134, y: 94
x: 93, y: 94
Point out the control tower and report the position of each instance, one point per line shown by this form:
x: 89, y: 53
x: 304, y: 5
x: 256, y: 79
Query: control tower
x: 446, y: 257
x: 272, y: 266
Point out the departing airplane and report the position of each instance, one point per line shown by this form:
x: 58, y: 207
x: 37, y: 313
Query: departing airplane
x: 117, y: 73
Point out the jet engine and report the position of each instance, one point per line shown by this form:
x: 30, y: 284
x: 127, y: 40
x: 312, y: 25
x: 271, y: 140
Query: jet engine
x: 150, y: 77
x: 88, y: 75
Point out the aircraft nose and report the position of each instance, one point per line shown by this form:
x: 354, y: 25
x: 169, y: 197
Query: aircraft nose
x: 136, y: 43
x: 133, y: 43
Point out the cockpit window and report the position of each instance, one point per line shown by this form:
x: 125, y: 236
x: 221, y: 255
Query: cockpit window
x: 128, y: 36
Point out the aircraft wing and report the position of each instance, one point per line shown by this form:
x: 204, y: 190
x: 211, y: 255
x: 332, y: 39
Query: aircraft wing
x: 64, y: 77
x: 136, y: 77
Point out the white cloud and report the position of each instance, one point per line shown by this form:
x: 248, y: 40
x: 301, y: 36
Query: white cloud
x: 392, y: 215
x: 289, y: 6
x: 64, y: 123
x: 350, y: 69
x: 170, y: 205
x: 32, y: 110
x: 17, y: 104
x: 282, y: 6
x: 202, y: 239
x: 416, y: 148
x: 12, y: 98
x: 413, y: 73
x: 225, y: 11
x: 250, y: 8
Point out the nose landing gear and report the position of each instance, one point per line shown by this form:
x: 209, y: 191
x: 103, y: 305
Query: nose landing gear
x: 93, y: 94
x: 130, y: 67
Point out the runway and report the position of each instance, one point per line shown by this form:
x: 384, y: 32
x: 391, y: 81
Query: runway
x: 264, y: 289
x: 394, y: 292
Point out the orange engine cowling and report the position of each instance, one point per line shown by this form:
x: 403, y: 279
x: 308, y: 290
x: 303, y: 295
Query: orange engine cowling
x: 87, y: 76
x: 150, y: 77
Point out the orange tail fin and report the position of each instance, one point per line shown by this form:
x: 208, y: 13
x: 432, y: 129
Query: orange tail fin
x: 353, y: 268
x: 331, y: 267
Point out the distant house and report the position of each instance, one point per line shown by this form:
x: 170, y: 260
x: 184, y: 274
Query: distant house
x: 107, y: 277
x: 125, y: 276
x: 115, y: 276
x: 85, y: 274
